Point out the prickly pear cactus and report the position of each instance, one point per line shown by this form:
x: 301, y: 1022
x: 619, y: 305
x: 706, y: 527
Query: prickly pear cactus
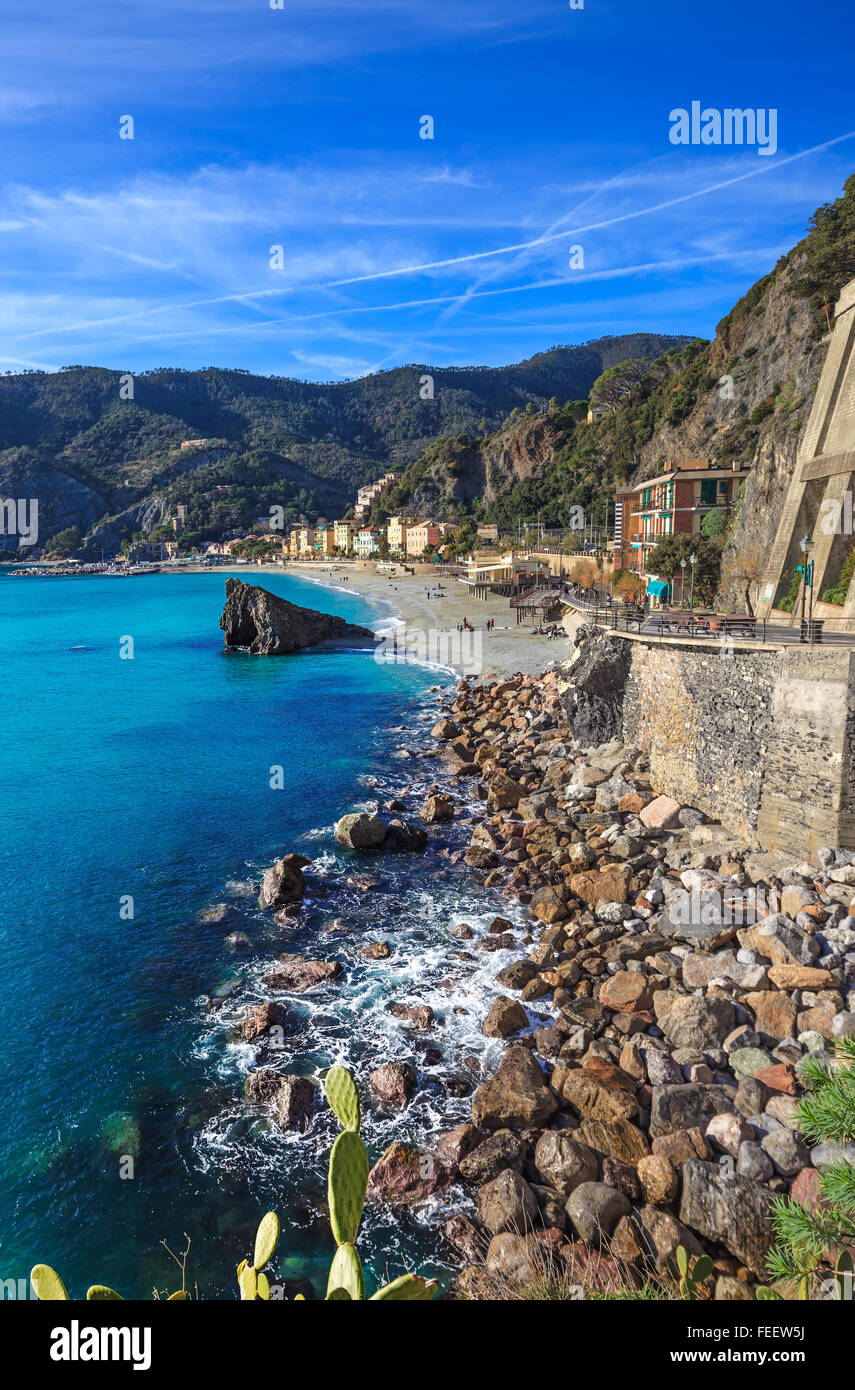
x: 691, y: 1279
x: 266, y: 1240
x: 251, y: 1282
x: 248, y: 1281
x: 347, y: 1185
x: 343, y: 1097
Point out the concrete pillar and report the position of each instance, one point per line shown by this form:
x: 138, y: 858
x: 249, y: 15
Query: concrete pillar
x: 825, y: 465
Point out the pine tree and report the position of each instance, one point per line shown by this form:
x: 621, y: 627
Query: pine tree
x: 826, y: 1115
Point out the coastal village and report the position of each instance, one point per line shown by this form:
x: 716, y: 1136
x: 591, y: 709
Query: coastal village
x: 674, y: 503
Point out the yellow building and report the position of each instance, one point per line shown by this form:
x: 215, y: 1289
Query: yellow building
x: 324, y: 539
x: 420, y: 536
x: 306, y: 540
x: 396, y: 533
x: 344, y: 533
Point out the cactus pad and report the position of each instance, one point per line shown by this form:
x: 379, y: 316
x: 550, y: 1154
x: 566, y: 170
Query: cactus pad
x: 347, y: 1184
x: 346, y: 1273
x: 343, y: 1097
x: 410, y: 1288
x: 47, y: 1285
x: 266, y: 1240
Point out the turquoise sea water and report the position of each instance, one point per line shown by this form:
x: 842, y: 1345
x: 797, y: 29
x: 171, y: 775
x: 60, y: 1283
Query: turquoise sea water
x: 149, y: 779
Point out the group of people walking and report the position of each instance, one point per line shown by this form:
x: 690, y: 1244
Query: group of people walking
x: 466, y: 626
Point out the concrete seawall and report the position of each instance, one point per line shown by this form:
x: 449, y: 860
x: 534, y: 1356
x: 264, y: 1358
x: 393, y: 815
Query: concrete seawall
x: 761, y: 740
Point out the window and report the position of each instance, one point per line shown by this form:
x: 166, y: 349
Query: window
x: 708, y: 492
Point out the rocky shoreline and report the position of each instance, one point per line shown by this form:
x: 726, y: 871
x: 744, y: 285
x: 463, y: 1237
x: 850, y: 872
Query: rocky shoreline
x: 668, y: 984
x: 683, y: 979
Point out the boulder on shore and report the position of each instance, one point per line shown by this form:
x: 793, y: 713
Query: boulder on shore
x: 265, y: 625
x: 361, y: 831
x: 517, y: 1096
x: 729, y: 1209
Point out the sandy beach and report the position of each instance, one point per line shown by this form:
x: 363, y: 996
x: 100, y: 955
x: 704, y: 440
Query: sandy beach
x: 505, y: 649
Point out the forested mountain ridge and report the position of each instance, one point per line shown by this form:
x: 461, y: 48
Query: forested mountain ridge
x: 109, y: 464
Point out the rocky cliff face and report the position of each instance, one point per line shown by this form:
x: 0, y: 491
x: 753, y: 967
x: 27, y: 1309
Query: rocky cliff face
x: 597, y: 676
x: 63, y: 501
x: 261, y: 623
x: 764, y: 363
x: 464, y: 471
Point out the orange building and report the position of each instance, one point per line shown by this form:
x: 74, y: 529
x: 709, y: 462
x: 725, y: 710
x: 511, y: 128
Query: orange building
x: 673, y: 503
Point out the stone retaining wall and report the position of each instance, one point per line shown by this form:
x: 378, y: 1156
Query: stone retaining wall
x: 761, y: 740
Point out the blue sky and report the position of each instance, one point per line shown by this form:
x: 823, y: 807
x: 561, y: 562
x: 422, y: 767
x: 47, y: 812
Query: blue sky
x: 299, y: 128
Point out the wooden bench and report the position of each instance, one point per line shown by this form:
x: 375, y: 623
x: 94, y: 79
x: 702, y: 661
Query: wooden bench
x: 746, y: 626
x: 705, y: 625
x: 672, y: 622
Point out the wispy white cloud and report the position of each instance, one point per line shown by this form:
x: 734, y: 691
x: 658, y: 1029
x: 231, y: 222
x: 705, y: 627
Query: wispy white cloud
x: 102, y: 49
x: 106, y: 274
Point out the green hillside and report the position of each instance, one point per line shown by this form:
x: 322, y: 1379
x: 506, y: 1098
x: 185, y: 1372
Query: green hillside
x: 97, y: 460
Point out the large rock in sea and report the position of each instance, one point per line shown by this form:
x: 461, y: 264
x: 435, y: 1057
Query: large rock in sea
x: 393, y: 1083
x: 297, y: 974
x: 265, y: 625
x: 284, y: 882
x: 361, y: 830
x: 289, y: 1098
x: 405, y: 1175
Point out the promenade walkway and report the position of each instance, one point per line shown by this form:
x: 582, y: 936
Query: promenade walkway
x: 676, y: 625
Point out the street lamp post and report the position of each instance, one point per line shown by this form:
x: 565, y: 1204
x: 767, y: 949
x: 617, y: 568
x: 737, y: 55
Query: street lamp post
x: 692, y: 558
x: 806, y: 546
x: 683, y: 582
